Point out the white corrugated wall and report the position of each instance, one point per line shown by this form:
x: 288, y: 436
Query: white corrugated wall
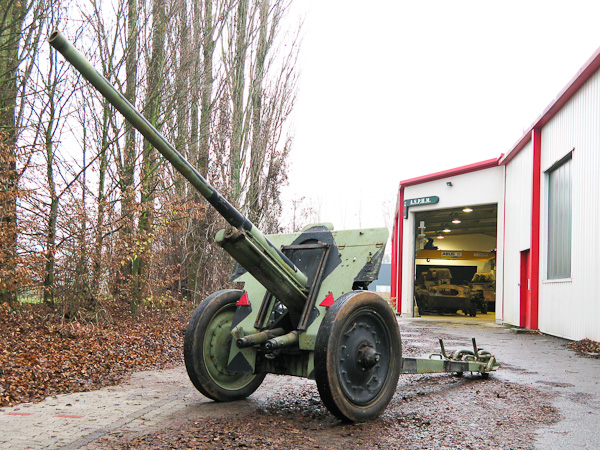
x: 571, y: 308
x: 517, y: 229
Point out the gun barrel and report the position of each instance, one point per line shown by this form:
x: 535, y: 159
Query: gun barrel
x: 139, y: 122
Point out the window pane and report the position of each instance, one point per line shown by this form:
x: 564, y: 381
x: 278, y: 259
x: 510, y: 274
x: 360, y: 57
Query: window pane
x: 559, y: 221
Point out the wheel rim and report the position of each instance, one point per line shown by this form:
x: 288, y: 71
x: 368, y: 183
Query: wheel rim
x: 217, y: 342
x: 363, y: 356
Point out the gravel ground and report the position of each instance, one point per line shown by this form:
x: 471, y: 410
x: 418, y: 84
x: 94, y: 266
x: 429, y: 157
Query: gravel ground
x: 437, y: 411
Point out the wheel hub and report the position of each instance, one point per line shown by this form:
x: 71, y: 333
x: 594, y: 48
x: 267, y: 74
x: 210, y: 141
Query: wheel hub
x: 367, y: 356
x: 364, y: 355
x: 216, y: 352
x: 221, y: 339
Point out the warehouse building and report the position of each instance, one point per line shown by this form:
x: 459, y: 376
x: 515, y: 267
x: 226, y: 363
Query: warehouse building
x: 523, y: 229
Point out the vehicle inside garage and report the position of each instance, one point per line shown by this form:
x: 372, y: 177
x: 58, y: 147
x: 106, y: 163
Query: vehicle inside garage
x: 455, y: 261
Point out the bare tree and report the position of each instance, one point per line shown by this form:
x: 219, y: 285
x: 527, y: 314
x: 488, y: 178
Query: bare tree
x: 129, y: 157
x: 237, y: 83
x: 110, y: 217
x: 247, y: 146
x: 106, y: 130
x: 261, y: 81
x: 154, y: 97
x: 259, y: 141
x: 19, y: 37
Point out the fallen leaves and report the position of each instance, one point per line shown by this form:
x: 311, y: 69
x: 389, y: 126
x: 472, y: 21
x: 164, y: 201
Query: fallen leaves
x: 586, y: 346
x: 456, y: 413
x: 265, y: 431
x: 43, y: 355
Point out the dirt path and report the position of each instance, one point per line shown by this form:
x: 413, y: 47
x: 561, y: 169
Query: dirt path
x: 530, y: 403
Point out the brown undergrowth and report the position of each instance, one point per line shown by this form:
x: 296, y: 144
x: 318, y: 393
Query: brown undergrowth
x: 42, y: 354
x: 586, y: 347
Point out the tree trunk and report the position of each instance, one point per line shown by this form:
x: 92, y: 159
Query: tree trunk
x: 53, y: 213
x: 83, y: 266
x: 259, y: 135
x: 129, y: 157
x: 182, y: 81
x: 202, y: 93
x: 237, y: 98
x: 97, y: 271
x: 141, y: 262
x: 208, y: 48
x: 11, y: 22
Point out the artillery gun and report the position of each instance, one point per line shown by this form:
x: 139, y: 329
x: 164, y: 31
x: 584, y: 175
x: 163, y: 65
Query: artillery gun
x: 304, y: 309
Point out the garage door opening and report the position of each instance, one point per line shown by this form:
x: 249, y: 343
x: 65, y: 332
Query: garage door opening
x: 455, y: 262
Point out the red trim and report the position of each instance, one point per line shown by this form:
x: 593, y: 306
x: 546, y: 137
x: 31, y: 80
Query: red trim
x: 393, y: 293
x: 581, y: 77
x: 452, y: 172
x: 503, y: 247
x: 525, y: 288
x: 397, y: 247
x: 522, y: 142
x: 532, y: 319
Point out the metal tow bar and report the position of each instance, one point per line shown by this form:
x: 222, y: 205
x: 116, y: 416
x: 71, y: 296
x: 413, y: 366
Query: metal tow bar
x: 476, y: 360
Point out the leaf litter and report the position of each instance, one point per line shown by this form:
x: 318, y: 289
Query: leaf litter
x: 42, y: 355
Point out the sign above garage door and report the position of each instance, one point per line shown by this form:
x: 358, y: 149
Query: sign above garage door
x: 432, y: 199
x: 461, y: 254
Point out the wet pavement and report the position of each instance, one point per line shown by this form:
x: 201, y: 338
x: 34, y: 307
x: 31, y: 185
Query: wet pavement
x: 151, y: 400
x: 542, y: 362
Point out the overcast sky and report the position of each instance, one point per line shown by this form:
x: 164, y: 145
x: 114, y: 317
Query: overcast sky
x: 394, y: 89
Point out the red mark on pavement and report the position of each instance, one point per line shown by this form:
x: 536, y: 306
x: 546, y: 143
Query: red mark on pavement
x: 69, y: 416
x: 18, y: 414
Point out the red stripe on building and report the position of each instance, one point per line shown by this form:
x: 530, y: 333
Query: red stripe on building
x: 532, y: 316
x: 452, y: 172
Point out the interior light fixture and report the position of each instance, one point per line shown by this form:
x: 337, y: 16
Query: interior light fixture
x: 467, y: 210
x: 455, y: 218
x: 440, y: 237
x: 446, y: 230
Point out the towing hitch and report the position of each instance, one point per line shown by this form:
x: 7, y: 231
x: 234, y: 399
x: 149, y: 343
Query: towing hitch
x: 476, y: 360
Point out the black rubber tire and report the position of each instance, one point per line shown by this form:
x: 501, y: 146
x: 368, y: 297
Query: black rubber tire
x: 484, y: 307
x: 206, y: 349
x: 357, y: 319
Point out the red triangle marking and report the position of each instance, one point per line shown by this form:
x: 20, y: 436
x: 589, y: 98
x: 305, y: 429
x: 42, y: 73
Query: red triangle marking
x: 244, y: 300
x: 328, y: 301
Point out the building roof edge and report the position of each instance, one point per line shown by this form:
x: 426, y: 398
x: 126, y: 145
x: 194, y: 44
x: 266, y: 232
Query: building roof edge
x: 488, y: 163
x: 590, y: 67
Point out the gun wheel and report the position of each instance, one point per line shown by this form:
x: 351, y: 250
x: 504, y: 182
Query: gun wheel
x: 206, y: 350
x: 358, y: 356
